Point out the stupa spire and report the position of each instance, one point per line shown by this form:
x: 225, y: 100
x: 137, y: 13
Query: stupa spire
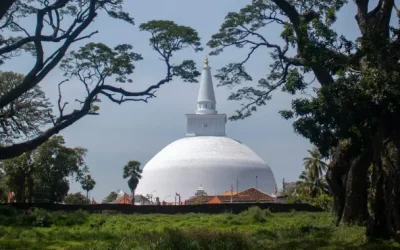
x: 206, y: 103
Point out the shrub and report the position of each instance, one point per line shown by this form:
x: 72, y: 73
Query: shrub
x: 25, y: 220
x: 6, y: 220
x: 42, y: 218
x: 69, y: 219
x: 256, y: 213
x: 267, y: 212
x: 8, y: 211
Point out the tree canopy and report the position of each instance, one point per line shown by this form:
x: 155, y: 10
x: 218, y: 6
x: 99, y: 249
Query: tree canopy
x: 76, y: 199
x: 61, y: 23
x: 345, y: 92
x: 42, y: 174
x: 133, y: 173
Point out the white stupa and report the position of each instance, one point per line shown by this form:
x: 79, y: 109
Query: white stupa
x: 206, y: 157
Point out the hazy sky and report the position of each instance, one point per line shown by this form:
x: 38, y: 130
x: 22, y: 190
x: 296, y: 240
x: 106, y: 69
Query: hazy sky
x: 137, y: 131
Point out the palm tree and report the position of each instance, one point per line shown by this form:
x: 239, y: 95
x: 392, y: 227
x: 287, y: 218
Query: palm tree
x: 133, y: 171
x: 314, y: 164
x: 315, y: 169
x: 312, y: 186
x: 88, y: 184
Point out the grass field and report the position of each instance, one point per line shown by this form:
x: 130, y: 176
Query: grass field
x: 253, y: 229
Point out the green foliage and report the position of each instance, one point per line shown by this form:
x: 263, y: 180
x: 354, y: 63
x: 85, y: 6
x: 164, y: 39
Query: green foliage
x: 88, y: 184
x: 167, y: 38
x: 92, y: 65
x: 71, y: 15
x: 312, y: 187
x: 69, y: 219
x: 42, y: 174
x: 8, y: 211
x: 314, y: 164
x: 298, y: 230
x: 24, y: 116
x: 75, y: 199
x: 132, y: 171
x: 97, y: 62
x: 256, y: 214
x: 323, y: 201
x: 110, y: 197
x: 40, y: 217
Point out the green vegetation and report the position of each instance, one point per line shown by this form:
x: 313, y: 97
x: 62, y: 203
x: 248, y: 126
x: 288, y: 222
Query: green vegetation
x: 42, y: 174
x: 312, y: 187
x: 96, y: 66
x: 345, y: 92
x: 132, y: 171
x: 253, y: 229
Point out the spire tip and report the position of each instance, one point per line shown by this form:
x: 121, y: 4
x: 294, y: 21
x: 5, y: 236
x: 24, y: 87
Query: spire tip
x: 206, y: 62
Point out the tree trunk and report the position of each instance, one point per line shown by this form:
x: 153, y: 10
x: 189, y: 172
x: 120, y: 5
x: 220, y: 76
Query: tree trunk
x: 5, y: 5
x: 334, y: 178
x: 30, y: 189
x: 384, y: 221
x: 355, y: 209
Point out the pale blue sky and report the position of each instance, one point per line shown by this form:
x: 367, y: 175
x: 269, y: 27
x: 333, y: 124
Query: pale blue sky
x: 137, y: 131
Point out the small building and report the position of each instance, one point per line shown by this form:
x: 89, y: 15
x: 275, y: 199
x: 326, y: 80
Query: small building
x: 142, y: 200
x: 251, y: 195
x: 125, y: 198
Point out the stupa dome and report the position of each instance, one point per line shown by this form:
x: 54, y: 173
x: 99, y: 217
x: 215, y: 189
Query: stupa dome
x: 205, y: 157
x: 214, y: 162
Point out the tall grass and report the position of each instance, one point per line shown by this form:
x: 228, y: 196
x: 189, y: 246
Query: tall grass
x: 252, y: 229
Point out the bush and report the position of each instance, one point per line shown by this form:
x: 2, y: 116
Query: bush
x: 322, y: 201
x: 69, y: 219
x: 256, y: 213
x: 267, y: 212
x: 42, y: 218
x: 8, y: 211
x: 6, y: 220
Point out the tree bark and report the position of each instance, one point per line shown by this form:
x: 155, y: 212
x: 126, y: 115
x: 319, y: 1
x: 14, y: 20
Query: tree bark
x: 335, y: 177
x: 384, y: 221
x: 30, y: 189
x: 355, y: 209
x: 5, y: 5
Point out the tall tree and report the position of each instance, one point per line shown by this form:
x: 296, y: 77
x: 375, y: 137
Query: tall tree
x: 132, y: 171
x: 62, y: 23
x: 354, y: 107
x: 42, y: 174
x: 88, y: 184
x: 19, y: 173
x: 314, y: 164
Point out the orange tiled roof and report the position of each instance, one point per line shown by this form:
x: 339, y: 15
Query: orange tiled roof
x: 228, y: 193
x: 124, y: 200
x: 252, y: 194
x: 199, y: 199
x: 214, y: 200
x: 249, y: 195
